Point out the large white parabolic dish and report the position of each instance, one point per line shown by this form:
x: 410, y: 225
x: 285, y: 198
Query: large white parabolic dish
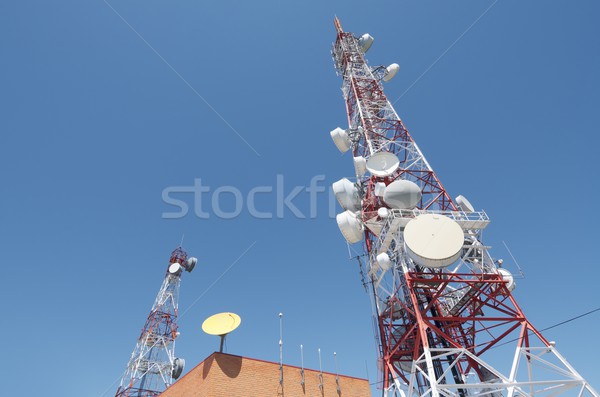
x: 383, y: 164
x: 433, y: 240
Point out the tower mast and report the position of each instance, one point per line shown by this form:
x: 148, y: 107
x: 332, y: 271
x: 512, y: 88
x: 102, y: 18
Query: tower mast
x: 153, y: 364
x: 447, y: 323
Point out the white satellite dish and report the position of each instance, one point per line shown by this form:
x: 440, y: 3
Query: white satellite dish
x: 383, y: 212
x: 360, y: 165
x: 350, y: 226
x: 433, y: 240
x: 391, y: 71
x: 384, y: 261
x: 365, y: 41
x: 508, y: 277
x: 402, y: 194
x: 341, y: 139
x: 383, y: 164
x: 346, y: 194
x: 464, y: 204
x: 175, y: 268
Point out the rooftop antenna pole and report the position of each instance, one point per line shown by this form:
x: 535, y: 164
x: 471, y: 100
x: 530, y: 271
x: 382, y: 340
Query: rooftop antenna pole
x: 302, y: 364
x: 337, y: 373
x: 222, y: 343
x: 281, y: 349
x: 320, y: 371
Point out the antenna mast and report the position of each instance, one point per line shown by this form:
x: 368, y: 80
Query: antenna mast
x: 153, y: 364
x: 281, y: 349
x: 447, y: 323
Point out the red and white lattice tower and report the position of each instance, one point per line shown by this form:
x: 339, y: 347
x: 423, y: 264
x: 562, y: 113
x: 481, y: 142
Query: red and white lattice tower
x: 447, y: 323
x: 153, y: 365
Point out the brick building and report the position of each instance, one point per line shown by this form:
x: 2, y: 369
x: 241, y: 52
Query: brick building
x: 226, y: 375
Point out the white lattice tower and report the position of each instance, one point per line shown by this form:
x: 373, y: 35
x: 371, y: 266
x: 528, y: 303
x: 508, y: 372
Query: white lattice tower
x: 453, y: 330
x: 153, y: 365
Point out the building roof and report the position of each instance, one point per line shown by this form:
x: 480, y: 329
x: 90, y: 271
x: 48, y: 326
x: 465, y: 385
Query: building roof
x: 221, y: 375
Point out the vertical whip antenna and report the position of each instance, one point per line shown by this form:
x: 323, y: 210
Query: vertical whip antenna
x: 281, y: 349
x: 337, y: 373
x: 320, y: 371
x: 302, y: 364
x: 338, y: 25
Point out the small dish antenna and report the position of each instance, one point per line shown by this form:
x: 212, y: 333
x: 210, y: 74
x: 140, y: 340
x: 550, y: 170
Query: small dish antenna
x: 508, y: 278
x: 350, y: 226
x: 365, y: 42
x: 221, y: 324
x: 402, y: 194
x: 383, y: 164
x: 464, y: 204
x: 347, y: 194
x: 390, y: 72
x: 341, y: 139
x: 175, y: 268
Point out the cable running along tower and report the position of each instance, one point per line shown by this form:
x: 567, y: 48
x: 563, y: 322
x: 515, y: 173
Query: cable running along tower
x: 446, y: 321
x: 153, y: 364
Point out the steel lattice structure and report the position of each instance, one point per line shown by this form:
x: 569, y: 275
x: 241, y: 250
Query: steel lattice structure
x: 454, y: 331
x: 153, y: 364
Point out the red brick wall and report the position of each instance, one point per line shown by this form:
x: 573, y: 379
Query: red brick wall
x: 225, y: 375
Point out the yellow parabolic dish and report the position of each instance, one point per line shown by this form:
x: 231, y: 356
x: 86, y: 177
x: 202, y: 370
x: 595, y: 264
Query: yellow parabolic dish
x: 221, y: 324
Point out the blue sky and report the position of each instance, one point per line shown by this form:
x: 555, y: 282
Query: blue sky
x: 106, y: 104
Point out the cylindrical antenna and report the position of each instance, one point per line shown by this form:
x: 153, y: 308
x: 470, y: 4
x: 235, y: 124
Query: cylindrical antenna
x: 335, y: 362
x: 320, y: 371
x: 281, y: 349
x: 302, y: 364
x: 320, y: 366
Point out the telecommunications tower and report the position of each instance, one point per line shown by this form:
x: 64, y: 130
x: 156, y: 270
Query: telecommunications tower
x: 153, y: 364
x: 446, y: 321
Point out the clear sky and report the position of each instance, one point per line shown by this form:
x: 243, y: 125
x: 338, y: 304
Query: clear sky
x: 110, y: 106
